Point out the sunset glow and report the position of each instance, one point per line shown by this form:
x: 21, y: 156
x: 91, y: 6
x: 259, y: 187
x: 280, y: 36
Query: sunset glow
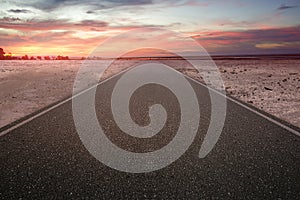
x: 75, y: 28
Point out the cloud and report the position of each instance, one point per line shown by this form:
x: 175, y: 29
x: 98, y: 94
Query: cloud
x: 234, y: 23
x: 179, y: 3
x: 19, y: 11
x: 84, y: 25
x: 96, y: 4
x: 273, y: 34
x: 92, y: 23
x: 278, y: 45
x: 86, y: 34
x: 114, y: 3
x: 255, y: 41
x: 49, y: 43
x: 90, y: 12
x: 33, y: 25
x: 9, y: 19
x: 285, y: 7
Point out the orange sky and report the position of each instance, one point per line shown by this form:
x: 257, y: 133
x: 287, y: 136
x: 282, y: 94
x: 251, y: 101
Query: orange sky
x: 75, y: 28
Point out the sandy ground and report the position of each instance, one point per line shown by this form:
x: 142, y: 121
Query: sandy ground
x: 270, y: 85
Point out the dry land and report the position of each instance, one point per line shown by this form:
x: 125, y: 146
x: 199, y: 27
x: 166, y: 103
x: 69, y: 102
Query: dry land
x: 270, y: 85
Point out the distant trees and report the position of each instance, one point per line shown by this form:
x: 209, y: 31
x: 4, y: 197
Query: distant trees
x: 54, y: 58
x: 2, y: 53
x: 25, y: 57
x: 47, y: 58
x: 62, y: 57
x: 4, y: 56
x: 8, y: 56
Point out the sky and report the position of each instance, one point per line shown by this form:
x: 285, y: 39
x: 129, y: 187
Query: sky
x: 76, y: 27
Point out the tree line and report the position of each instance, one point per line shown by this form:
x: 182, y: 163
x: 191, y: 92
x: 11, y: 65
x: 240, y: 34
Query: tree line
x: 9, y: 56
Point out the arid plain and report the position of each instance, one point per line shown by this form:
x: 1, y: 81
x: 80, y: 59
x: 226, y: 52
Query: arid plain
x: 268, y: 84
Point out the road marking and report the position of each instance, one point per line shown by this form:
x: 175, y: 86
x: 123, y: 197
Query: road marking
x: 56, y: 105
x: 228, y: 97
x: 248, y: 108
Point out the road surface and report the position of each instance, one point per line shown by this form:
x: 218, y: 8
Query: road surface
x: 253, y: 159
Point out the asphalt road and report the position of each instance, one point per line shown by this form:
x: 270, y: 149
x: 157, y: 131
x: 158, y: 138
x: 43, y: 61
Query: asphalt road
x: 253, y: 159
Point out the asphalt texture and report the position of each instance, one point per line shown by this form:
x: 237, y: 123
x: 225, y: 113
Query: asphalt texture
x: 253, y: 159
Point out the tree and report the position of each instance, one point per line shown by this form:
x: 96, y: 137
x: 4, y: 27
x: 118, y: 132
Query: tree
x: 8, y: 56
x: 47, y: 57
x: 2, y: 54
x: 62, y: 57
x: 25, y: 57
